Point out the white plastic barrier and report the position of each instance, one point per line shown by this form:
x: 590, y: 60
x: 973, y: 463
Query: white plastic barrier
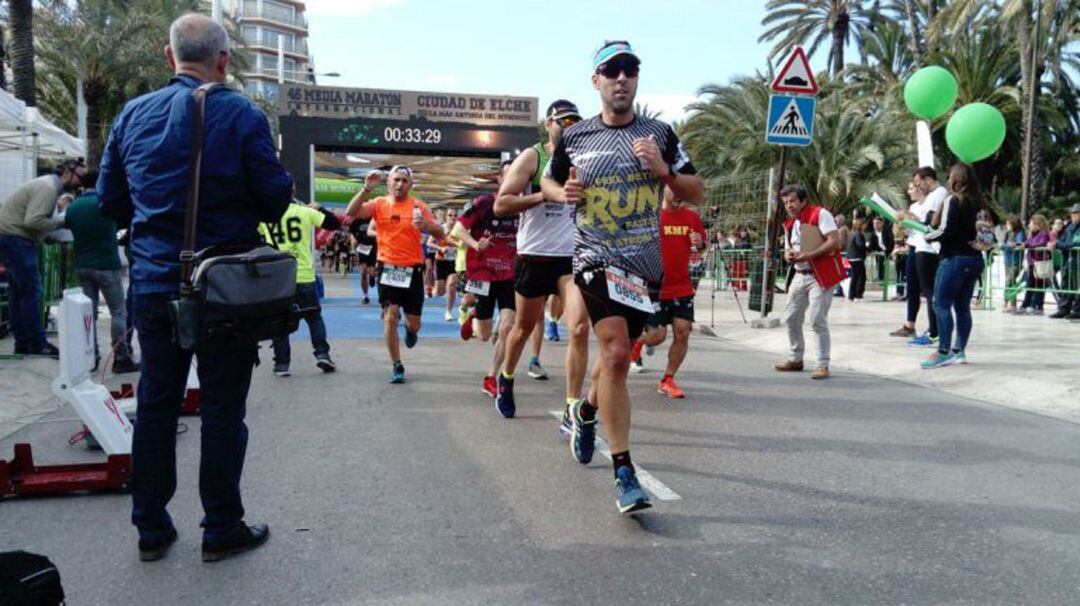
x: 93, y: 403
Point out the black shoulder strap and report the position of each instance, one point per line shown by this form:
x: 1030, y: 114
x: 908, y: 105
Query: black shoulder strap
x: 191, y: 212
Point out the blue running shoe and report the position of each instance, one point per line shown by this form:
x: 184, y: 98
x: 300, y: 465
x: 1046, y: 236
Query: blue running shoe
x: 923, y: 340
x: 410, y: 338
x: 552, y: 330
x: 504, y: 401
x: 629, y: 496
x: 398, y: 374
x: 583, y: 435
x: 937, y: 360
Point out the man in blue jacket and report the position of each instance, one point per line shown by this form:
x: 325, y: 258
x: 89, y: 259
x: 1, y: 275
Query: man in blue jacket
x: 1068, y: 242
x: 144, y: 183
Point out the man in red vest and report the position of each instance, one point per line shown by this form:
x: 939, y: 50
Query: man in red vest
x: 812, y: 246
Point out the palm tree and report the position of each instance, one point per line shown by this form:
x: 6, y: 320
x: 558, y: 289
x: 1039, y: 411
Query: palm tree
x: 114, y: 49
x: 21, y: 17
x: 810, y: 22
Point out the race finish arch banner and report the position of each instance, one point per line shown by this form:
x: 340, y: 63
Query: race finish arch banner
x: 407, y: 122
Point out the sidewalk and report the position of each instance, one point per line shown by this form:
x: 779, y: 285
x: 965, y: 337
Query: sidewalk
x: 1030, y: 363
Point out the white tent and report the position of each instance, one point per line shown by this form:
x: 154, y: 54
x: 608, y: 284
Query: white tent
x: 26, y: 136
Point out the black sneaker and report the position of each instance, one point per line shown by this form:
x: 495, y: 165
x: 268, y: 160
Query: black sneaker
x: 504, y: 402
x: 1062, y: 312
x: 325, y: 363
x: 244, y: 539
x: 124, y: 366
x: 281, y: 370
x: 48, y: 350
x: 151, y: 551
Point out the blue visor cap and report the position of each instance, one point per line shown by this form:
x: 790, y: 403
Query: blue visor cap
x: 611, y: 50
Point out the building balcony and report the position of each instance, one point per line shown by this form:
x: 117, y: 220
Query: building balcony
x: 296, y: 48
x: 249, y: 11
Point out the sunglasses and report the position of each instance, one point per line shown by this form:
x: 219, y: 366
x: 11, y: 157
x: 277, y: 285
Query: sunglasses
x: 612, y: 68
x: 567, y: 121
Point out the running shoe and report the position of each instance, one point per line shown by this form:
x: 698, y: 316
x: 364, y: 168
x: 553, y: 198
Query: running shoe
x: 410, y: 338
x: 398, y: 373
x: 504, y: 399
x: 958, y: 357
x: 566, y: 427
x: 449, y: 317
x: 536, y: 371
x: 467, y: 327
x: 325, y: 363
x: 923, y: 340
x: 903, y: 332
x: 463, y: 315
x: 670, y: 389
x: 936, y: 360
x: 366, y: 301
x: 637, y: 366
x: 281, y: 370
x: 552, y: 330
x: 490, y: 387
x: 629, y: 496
x: 583, y: 434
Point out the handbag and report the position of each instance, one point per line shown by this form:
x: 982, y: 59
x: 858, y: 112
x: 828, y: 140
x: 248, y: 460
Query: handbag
x: 228, y: 291
x: 1044, y: 269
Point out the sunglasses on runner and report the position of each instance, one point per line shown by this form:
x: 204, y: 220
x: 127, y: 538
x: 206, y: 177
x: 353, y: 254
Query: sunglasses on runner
x: 567, y: 121
x: 613, y: 68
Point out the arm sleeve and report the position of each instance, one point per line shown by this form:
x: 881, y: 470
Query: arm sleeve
x: 469, y: 216
x: 826, y: 222
x: 558, y: 168
x: 943, y: 230
x: 268, y: 182
x: 39, y: 211
x: 675, y: 154
x: 114, y: 197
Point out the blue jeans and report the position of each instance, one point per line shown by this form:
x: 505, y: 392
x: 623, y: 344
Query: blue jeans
x: 307, y: 298
x: 224, y: 377
x: 20, y: 257
x: 954, y: 286
x: 107, y: 283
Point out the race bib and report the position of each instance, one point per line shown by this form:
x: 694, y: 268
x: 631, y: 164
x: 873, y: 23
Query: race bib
x: 450, y: 254
x: 628, y: 289
x: 478, y: 287
x: 363, y: 249
x: 397, y: 277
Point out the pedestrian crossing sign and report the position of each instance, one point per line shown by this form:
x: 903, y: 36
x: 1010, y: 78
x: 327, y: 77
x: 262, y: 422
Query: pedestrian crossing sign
x: 791, y: 120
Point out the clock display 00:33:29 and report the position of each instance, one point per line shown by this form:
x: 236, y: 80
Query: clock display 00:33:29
x: 393, y: 134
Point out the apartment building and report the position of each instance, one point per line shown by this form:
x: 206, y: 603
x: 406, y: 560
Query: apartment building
x: 263, y: 24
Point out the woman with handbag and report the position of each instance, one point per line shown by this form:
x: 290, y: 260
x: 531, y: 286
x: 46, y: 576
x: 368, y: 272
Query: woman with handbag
x: 1040, y: 265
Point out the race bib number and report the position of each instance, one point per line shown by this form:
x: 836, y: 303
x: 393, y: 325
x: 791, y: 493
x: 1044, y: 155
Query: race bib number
x: 363, y: 249
x: 397, y: 277
x: 450, y: 254
x: 628, y: 289
x: 478, y: 288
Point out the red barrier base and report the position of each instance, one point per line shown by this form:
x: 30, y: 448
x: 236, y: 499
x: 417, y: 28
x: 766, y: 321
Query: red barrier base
x: 21, y: 477
x: 190, y: 405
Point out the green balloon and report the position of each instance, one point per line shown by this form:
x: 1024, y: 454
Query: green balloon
x: 975, y: 131
x: 930, y: 92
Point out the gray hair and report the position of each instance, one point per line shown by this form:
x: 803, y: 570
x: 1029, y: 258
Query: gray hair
x: 196, y: 38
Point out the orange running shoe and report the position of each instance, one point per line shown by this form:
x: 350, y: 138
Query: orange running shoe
x: 670, y: 389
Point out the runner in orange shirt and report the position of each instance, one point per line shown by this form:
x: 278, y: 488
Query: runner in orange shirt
x: 399, y: 220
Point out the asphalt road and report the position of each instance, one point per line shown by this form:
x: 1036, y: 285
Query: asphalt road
x: 852, y: 491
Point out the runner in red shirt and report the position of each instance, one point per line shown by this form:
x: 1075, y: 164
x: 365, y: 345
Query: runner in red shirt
x: 489, y: 270
x: 681, y: 238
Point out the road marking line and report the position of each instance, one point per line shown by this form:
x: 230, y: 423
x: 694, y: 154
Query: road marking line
x: 647, y: 480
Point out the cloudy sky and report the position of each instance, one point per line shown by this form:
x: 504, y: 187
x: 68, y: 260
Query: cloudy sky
x: 536, y: 49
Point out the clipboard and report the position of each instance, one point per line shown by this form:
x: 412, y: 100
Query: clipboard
x: 828, y: 269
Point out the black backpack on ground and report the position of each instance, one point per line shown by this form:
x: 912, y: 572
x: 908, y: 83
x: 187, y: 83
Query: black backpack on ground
x: 27, y: 579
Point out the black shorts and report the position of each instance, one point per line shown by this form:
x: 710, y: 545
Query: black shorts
x: 536, y: 276
x: 411, y: 299
x: 501, y: 294
x: 444, y: 269
x: 600, y: 306
x: 430, y: 256
x: 370, y: 259
x: 682, y: 308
